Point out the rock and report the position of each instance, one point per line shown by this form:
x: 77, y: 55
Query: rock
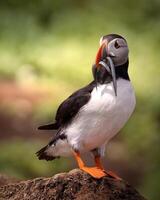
x: 4, y: 180
x: 73, y: 185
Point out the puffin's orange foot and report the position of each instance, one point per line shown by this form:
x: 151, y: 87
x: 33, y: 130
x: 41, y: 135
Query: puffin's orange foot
x: 113, y: 175
x: 94, y: 171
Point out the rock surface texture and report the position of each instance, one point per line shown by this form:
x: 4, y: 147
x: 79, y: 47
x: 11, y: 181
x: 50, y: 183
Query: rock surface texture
x: 4, y: 180
x: 73, y: 185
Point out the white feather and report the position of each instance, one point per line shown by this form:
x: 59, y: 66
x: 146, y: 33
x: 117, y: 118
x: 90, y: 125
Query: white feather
x: 100, y: 119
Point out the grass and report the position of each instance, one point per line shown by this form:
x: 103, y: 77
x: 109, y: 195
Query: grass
x: 19, y: 160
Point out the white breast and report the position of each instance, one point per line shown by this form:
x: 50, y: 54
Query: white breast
x: 103, y: 116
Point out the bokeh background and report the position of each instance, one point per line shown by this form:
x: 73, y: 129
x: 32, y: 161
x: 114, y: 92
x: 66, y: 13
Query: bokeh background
x: 47, y: 48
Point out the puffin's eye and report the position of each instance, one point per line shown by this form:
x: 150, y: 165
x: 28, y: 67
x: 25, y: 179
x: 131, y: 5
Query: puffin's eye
x: 116, y: 45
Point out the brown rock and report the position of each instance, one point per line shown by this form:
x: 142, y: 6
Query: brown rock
x: 73, y: 185
x: 4, y: 180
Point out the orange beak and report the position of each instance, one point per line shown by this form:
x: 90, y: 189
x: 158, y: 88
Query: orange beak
x: 100, y: 54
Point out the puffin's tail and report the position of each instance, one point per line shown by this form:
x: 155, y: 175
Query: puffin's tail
x: 42, y: 154
x: 57, y: 147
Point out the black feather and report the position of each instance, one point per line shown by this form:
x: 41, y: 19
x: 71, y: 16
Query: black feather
x: 70, y: 107
x: 42, y: 155
x: 51, y: 126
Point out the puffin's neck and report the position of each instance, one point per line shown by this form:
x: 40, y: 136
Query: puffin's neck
x: 122, y: 71
x: 104, y: 77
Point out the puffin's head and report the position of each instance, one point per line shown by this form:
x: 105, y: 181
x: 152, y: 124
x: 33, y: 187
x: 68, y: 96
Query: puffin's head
x: 113, y: 52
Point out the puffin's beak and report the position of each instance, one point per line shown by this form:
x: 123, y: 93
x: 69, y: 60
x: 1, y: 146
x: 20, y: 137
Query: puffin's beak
x: 99, y: 57
x: 102, y: 54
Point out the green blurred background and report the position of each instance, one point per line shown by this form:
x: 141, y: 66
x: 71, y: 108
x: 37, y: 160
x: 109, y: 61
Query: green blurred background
x: 47, y: 48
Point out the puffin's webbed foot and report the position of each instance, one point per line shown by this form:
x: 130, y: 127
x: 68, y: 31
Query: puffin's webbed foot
x: 96, y: 172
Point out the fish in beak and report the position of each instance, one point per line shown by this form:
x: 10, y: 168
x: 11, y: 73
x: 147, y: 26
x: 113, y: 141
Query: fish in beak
x: 101, y: 58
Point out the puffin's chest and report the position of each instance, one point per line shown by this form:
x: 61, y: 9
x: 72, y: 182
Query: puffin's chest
x: 104, y: 103
x: 103, y: 116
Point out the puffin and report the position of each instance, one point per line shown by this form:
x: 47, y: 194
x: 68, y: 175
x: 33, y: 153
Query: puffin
x: 90, y: 117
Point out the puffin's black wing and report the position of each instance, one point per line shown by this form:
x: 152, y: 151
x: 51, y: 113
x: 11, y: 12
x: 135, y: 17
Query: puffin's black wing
x: 70, y: 107
x: 51, y: 126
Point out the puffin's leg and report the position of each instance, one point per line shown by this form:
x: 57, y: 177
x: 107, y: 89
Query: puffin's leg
x: 97, y: 157
x: 93, y: 171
